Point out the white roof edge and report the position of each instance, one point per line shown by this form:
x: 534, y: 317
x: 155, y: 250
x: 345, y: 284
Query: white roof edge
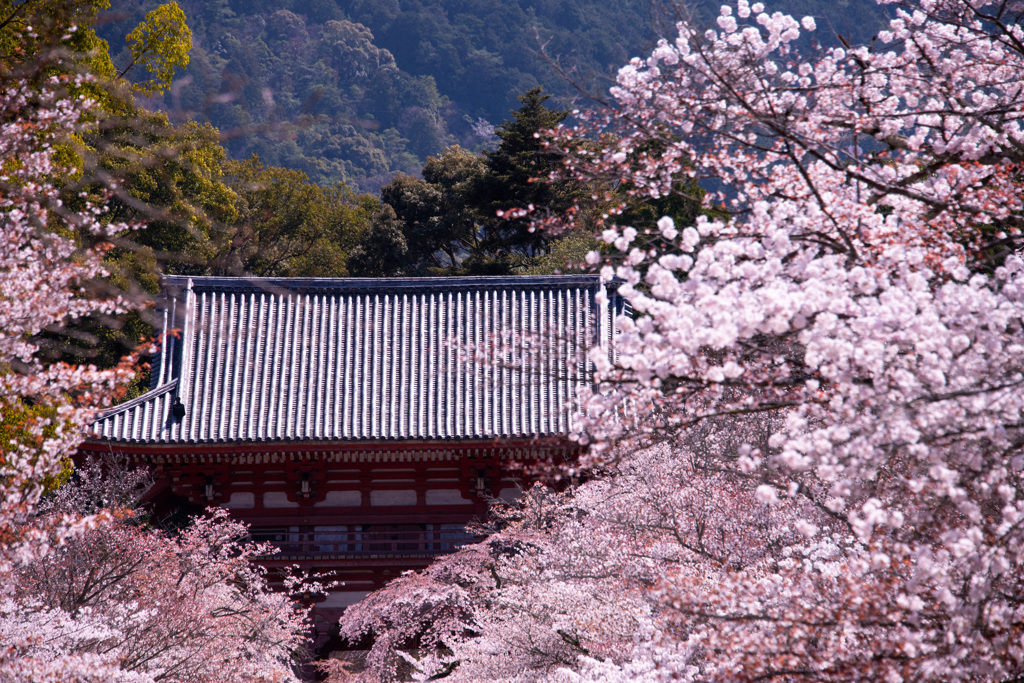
x: 137, y: 401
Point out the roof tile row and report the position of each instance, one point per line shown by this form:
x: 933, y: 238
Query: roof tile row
x: 248, y: 359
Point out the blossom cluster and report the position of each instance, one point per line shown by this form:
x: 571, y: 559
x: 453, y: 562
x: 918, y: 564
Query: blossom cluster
x: 123, y: 603
x: 860, y: 273
x: 44, y: 277
x: 87, y: 593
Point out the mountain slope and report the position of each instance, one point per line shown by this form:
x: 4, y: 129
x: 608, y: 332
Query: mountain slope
x: 357, y: 90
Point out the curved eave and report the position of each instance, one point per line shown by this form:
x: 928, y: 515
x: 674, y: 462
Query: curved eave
x: 143, y: 419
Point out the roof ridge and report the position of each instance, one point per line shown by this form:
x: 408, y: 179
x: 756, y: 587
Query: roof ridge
x: 380, y: 284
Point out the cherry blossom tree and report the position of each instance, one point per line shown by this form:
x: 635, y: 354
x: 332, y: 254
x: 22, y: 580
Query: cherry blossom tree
x: 856, y: 288
x: 121, y: 601
x: 87, y: 593
x: 44, y: 273
x: 142, y: 605
x: 868, y: 282
x: 565, y: 585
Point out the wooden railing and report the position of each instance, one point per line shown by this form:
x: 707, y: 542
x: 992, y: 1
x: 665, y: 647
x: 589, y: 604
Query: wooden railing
x: 414, y: 543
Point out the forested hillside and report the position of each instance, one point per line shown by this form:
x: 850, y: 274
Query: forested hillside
x: 357, y: 90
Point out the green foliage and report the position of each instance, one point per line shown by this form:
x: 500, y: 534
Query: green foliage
x: 449, y: 219
x: 197, y: 213
x: 26, y: 427
x: 683, y: 205
x: 485, y: 53
x: 159, y: 44
x: 360, y: 90
x: 518, y: 174
x: 289, y: 227
x: 173, y: 182
x: 51, y: 47
x: 343, y: 91
x: 439, y: 222
x: 320, y: 98
x: 204, y: 215
x: 565, y: 255
x: 383, y: 252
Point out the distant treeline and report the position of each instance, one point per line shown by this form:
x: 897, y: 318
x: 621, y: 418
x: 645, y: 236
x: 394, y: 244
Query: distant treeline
x: 358, y: 90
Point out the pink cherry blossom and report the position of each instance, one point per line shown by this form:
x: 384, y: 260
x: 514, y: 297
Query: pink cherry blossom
x: 806, y: 447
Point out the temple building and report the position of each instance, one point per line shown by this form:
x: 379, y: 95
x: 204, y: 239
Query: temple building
x: 359, y: 424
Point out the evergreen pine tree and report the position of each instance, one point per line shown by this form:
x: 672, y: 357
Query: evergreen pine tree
x: 516, y: 176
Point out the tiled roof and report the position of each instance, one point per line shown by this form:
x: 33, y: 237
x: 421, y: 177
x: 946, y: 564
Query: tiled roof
x: 299, y: 359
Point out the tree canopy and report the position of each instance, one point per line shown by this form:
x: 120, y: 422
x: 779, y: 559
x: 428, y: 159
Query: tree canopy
x: 461, y: 216
x: 194, y: 210
x: 160, y: 44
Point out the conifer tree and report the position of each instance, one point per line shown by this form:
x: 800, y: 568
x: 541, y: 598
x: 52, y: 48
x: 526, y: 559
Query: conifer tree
x: 457, y: 219
x: 516, y: 178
